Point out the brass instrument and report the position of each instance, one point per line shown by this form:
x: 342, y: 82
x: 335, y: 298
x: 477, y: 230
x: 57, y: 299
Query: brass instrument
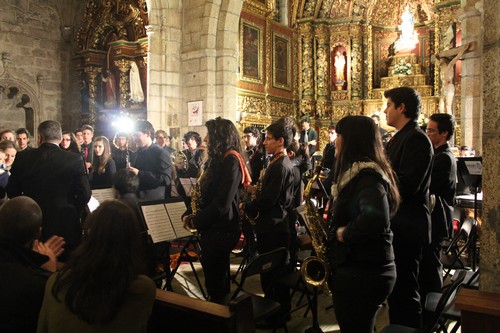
x: 196, y: 200
x: 251, y: 193
x: 316, y: 269
x: 179, y: 159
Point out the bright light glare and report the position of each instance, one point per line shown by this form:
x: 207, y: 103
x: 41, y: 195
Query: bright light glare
x: 124, y: 124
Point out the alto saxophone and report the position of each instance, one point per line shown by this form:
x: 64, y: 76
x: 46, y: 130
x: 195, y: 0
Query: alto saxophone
x: 196, y: 200
x: 251, y: 196
x: 316, y: 269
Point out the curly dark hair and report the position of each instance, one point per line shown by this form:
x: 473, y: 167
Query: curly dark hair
x: 195, y: 135
x: 222, y: 137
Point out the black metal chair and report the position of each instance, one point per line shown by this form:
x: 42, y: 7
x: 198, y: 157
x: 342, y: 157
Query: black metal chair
x: 450, y: 313
x: 263, y: 308
x: 463, y: 242
x: 437, y: 322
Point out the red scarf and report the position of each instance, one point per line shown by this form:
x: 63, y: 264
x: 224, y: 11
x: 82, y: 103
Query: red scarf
x: 245, y: 179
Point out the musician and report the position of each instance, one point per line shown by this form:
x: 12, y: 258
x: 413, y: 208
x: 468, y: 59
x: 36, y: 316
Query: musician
x: 254, y: 154
x: 152, y: 164
x: 410, y: 153
x: 273, y: 202
x: 365, y: 196
x: 194, y: 155
x: 217, y: 216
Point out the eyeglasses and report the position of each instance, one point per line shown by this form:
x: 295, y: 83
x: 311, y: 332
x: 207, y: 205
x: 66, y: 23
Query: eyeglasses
x: 431, y: 130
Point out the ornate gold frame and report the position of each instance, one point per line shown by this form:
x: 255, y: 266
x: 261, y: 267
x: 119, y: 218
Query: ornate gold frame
x: 286, y: 39
x: 260, y: 72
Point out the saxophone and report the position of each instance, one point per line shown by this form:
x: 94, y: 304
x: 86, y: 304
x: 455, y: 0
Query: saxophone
x: 316, y: 269
x: 196, y: 200
x: 249, y: 196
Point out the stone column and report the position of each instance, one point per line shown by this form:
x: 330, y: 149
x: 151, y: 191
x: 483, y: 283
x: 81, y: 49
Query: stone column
x: 471, y: 92
x: 490, y: 229
x: 91, y: 117
x: 124, y: 67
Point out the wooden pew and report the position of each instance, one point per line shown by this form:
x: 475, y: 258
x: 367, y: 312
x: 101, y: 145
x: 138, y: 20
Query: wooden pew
x: 179, y: 313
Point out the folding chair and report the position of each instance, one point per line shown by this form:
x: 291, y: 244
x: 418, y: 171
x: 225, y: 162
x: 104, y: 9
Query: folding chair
x: 263, y: 308
x: 436, y: 324
x: 454, y: 250
x: 450, y: 313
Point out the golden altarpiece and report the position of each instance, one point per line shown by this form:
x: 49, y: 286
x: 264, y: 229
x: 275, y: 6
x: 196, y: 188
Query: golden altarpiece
x: 112, y: 48
x: 342, y: 58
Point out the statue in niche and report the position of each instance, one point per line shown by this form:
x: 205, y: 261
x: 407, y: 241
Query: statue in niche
x: 136, y: 92
x: 447, y: 74
x: 339, y: 67
x: 110, y: 89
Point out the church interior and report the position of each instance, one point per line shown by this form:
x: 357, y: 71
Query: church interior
x: 179, y: 63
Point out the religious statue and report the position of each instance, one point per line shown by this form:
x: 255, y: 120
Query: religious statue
x: 447, y: 73
x: 409, y: 37
x: 136, y: 93
x: 339, y: 67
x: 110, y: 83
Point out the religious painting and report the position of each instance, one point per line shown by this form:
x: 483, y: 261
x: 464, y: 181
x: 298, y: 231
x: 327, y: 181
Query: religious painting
x: 250, y: 52
x: 281, y: 61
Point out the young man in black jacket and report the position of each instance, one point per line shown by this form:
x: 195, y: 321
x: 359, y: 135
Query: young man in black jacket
x: 410, y: 153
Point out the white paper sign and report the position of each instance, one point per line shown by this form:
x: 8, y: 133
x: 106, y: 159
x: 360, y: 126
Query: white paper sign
x: 195, y: 111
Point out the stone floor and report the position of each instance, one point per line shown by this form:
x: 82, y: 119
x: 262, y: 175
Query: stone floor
x: 185, y: 283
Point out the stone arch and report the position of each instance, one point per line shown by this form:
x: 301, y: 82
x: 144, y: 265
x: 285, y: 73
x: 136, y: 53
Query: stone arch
x: 19, y: 105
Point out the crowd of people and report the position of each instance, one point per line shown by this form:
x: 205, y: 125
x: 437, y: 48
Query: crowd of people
x: 383, y: 235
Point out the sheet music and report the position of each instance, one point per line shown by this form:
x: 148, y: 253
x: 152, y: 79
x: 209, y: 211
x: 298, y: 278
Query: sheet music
x: 104, y: 194
x: 175, y: 211
x: 159, y: 226
x: 188, y: 184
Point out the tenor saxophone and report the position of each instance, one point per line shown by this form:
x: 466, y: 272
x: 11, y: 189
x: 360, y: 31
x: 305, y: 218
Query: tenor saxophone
x: 316, y: 269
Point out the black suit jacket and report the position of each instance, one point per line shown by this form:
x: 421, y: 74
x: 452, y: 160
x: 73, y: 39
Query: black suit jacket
x: 56, y: 180
x: 155, y: 172
x: 443, y: 186
x: 410, y: 153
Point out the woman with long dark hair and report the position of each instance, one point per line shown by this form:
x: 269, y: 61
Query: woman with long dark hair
x: 69, y: 142
x: 365, y: 197
x: 103, y: 166
x: 216, y: 218
x: 100, y: 287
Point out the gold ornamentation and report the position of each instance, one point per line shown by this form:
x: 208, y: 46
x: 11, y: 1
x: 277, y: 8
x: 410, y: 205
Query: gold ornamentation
x: 252, y: 105
x: 281, y: 109
x: 92, y: 72
x: 124, y: 67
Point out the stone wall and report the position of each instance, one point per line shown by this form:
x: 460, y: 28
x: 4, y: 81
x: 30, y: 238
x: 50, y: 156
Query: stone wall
x: 34, y: 59
x: 490, y: 231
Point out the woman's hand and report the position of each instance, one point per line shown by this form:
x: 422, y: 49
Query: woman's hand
x: 340, y: 232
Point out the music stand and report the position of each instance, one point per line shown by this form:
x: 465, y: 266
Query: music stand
x: 470, y: 171
x: 163, y: 222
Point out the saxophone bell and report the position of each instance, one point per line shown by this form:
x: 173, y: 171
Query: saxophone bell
x: 315, y: 271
